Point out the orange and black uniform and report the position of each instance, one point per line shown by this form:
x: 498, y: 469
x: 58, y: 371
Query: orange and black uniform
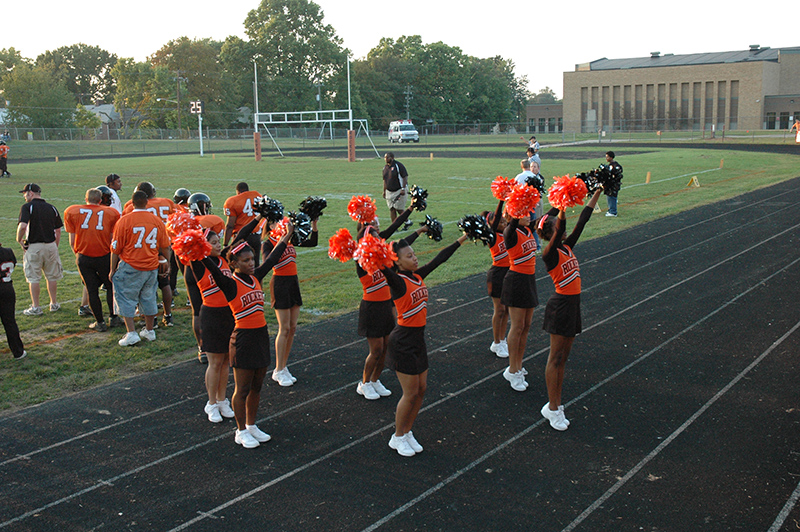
x: 375, y: 313
x: 93, y: 227
x: 562, y: 315
x: 4, y: 160
x: 284, y: 286
x: 8, y: 302
x: 519, y: 285
x: 241, y: 206
x: 407, y: 351
x: 500, y: 261
x: 249, y: 341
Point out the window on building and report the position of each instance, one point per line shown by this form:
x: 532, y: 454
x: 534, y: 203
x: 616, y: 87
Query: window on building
x: 650, y: 107
x: 734, y: 106
x: 770, y: 121
x: 709, y: 110
x: 785, y: 120
x: 616, y: 108
x: 627, y: 111
x: 542, y: 126
x: 560, y: 124
x: 697, y: 105
x: 674, y: 119
x: 605, y: 120
x: 639, y: 108
x: 721, y: 103
x: 551, y: 122
x: 662, y: 106
x: 684, y: 106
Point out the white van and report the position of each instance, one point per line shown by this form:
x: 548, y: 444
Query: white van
x: 403, y: 131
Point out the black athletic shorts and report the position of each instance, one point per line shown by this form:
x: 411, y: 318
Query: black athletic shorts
x: 519, y: 290
x: 284, y: 292
x: 494, y: 279
x: 376, y: 318
x: 407, y: 352
x: 216, y: 326
x: 562, y: 315
x: 249, y: 348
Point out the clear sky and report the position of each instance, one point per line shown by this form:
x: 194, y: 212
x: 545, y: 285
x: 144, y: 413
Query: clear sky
x: 542, y: 39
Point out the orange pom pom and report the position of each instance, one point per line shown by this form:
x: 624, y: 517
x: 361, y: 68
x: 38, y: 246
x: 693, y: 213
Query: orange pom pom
x: 522, y: 200
x: 502, y: 187
x: 374, y: 253
x: 362, y: 209
x: 279, y: 230
x: 180, y: 222
x: 567, y: 192
x: 191, y: 245
x: 341, y: 245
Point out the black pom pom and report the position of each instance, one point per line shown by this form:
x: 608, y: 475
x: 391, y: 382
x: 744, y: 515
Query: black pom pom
x: 302, y: 227
x: 477, y: 228
x: 419, y: 198
x: 270, y: 209
x: 537, y: 182
x: 434, y: 228
x: 313, y: 206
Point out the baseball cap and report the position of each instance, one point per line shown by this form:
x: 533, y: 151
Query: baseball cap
x: 31, y: 187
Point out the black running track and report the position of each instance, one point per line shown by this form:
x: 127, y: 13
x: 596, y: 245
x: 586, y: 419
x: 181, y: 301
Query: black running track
x: 682, y: 392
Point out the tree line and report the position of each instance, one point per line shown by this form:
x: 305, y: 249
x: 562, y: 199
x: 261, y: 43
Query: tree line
x: 298, y: 57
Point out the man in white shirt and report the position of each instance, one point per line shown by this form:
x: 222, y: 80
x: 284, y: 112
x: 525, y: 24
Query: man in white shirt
x: 114, y: 182
x: 523, y: 176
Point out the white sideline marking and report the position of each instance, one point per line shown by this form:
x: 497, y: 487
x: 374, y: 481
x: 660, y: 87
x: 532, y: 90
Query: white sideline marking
x: 784, y: 513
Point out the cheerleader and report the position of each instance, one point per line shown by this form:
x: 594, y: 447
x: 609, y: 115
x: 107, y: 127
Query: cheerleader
x: 407, y: 353
x: 376, y: 315
x: 284, y: 291
x: 519, y: 295
x: 249, y: 342
x: 494, y: 282
x: 562, y: 316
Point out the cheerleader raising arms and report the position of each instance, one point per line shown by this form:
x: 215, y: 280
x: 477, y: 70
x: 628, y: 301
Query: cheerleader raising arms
x: 407, y: 352
x: 494, y: 282
x: 562, y: 317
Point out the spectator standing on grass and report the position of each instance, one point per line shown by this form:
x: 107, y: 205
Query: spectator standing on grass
x: 395, y: 185
x: 522, y: 177
x: 796, y: 127
x: 114, y: 182
x: 8, y: 303
x: 39, y: 233
x: 139, y: 253
x: 90, y: 229
x: 4, y: 159
x: 611, y: 189
x: 239, y: 212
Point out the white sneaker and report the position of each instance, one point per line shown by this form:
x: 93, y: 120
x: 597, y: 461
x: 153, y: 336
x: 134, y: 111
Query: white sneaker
x: 366, y: 389
x: 502, y: 351
x: 212, y: 411
x: 32, y: 311
x: 517, y: 380
x: 400, y: 444
x: 225, y: 409
x: 286, y: 370
x: 412, y: 442
x: 382, y: 390
x: 148, y: 334
x: 130, y: 338
x: 258, y: 434
x: 561, y: 408
x: 245, y: 439
x: 495, y: 347
x: 555, y: 417
x: 281, y: 378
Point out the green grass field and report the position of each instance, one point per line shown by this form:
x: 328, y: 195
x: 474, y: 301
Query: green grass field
x: 64, y: 356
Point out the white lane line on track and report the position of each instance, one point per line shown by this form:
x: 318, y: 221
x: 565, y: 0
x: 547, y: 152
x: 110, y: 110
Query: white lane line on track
x: 591, y: 390
x: 785, y: 511
x: 146, y: 466
x: 516, y: 437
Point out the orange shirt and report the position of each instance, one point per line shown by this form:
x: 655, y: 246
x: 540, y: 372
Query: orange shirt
x: 248, y: 305
x: 567, y: 274
x: 241, y: 206
x: 137, y: 238
x: 212, y: 295
x: 523, y: 255
x: 375, y: 287
x: 499, y: 252
x: 412, y: 307
x: 4, y: 151
x: 161, y: 207
x: 93, y: 227
x: 287, y: 264
x: 213, y: 222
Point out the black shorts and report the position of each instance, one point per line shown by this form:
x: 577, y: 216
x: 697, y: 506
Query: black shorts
x: 562, y: 315
x: 407, y: 352
x: 494, y: 280
x: 376, y: 318
x: 284, y: 292
x: 519, y: 290
x: 249, y: 348
x: 216, y: 326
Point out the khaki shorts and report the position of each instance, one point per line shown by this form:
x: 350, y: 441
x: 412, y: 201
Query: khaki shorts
x: 395, y: 200
x: 42, y: 258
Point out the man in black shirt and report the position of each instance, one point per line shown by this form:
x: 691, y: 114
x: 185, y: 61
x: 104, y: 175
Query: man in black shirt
x: 39, y: 233
x: 8, y: 300
x: 395, y: 185
x: 611, y: 188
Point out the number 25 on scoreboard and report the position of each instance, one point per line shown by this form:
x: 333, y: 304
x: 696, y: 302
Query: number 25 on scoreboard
x: 196, y: 107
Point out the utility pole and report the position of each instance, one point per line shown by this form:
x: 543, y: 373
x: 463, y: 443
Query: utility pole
x: 409, y: 97
x: 319, y: 85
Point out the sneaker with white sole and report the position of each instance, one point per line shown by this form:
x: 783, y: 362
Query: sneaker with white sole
x: 517, y: 380
x: 366, y: 389
x: 225, y: 409
x: 555, y: 417
x: 245, y: 439
x: 23, y: 355
x: 33, y: 311
x: 282, y: 378
x: 150, y: 335
x: 412, y: 442
x: 495, y: 347
x: 131, y: 338
x: 400, y: 444
x: 382, y: 390
x: 258, y: 434
x: 212, y: 411
x: 286, y: 370
x: 503, y: 349
x: 55, y: 307
x: 561, y: 408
